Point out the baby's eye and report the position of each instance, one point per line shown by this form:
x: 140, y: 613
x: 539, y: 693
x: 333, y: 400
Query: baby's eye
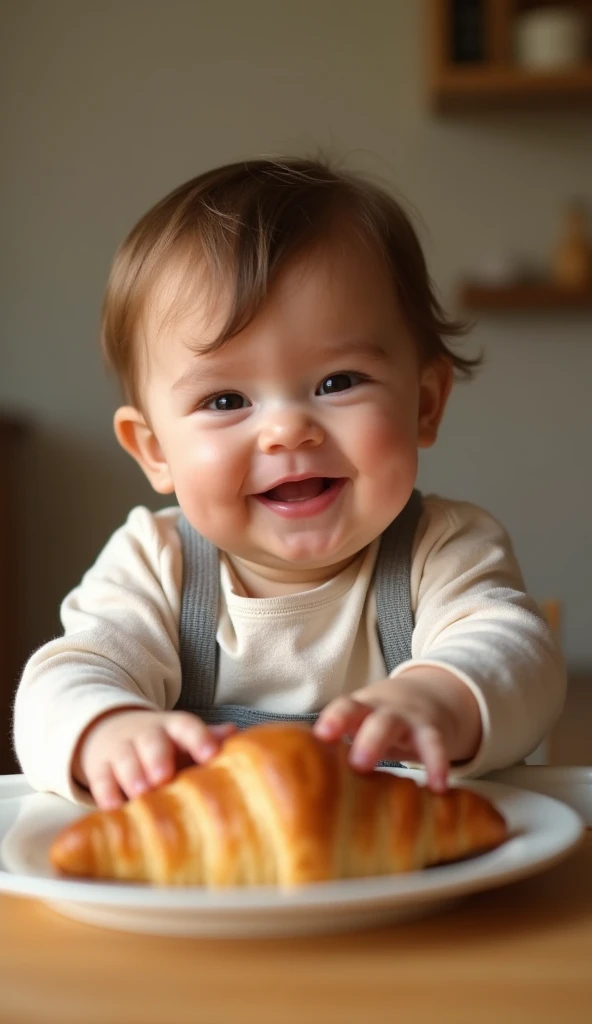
x: 229, y: 402
x: 339, y: 382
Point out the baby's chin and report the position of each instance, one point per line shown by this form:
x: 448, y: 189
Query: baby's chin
x: 306, y: 555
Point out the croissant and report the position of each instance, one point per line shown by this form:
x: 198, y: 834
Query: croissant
x: 277, y: 806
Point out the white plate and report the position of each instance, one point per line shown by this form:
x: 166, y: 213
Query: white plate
x: 571, y: 785
x: 542, y: 832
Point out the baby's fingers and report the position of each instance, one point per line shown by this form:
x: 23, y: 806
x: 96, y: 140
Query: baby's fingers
x: 432, y: 753
x: 129, y: 770
x: 192, y: 735
x: 111, y: 781
x: 156, y: 752
x: 342, y: 717
x: 381, y: 731
x: 104, y: 788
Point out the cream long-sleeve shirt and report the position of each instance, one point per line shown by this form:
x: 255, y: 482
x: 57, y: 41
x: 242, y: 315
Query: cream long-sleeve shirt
x: 296, y: 652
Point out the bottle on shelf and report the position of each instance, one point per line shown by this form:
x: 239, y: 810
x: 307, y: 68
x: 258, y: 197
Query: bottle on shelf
x: 572, y: 261
x: 467, y: 31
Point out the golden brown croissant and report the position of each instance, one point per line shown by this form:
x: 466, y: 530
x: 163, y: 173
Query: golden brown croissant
x: 277, y: 806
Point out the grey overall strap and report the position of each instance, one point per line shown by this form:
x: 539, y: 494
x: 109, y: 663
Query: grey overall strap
x: 198, y: 621
x: 392, y: 572
x: 198, y: 650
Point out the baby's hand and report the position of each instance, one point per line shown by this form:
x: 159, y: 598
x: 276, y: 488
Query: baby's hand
x: 127, y: 752
x: 425, y: 714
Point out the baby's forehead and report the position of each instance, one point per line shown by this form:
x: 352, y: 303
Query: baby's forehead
x: 186, y: 297
x: 193, y: 286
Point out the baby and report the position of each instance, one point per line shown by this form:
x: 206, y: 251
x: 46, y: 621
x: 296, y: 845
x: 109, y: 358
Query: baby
x: 283, y: 357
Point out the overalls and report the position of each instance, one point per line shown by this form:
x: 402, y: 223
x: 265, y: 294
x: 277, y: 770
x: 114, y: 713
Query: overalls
x: 198, y: 650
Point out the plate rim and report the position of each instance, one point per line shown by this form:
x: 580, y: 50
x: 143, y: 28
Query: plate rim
x: 442, y: 883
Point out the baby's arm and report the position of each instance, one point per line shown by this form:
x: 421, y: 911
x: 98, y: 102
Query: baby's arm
x: 119, y: 653
x: 475, y: 630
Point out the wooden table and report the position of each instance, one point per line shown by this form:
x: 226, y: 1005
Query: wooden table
x: 517, y: 955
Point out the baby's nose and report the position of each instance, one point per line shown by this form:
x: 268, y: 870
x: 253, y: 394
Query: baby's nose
x: 289, y: 428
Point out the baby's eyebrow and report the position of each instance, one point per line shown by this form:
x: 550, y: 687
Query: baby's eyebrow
x: 355, y: 348
x: 195, y: 374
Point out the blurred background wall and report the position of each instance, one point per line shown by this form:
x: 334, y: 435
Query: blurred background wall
x: 107, y: 105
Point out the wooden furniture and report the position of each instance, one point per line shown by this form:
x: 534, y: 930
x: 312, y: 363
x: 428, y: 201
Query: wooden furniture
x: 519, y: 954
x: 12, y: 434
x: 567, y: 287
x: 527, y: 297
x: 570, y: 741
x: 495, y: 82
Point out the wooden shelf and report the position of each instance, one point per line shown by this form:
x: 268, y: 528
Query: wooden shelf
x: 478, y: 87
x: 495, y: 81
x: 526, y: 297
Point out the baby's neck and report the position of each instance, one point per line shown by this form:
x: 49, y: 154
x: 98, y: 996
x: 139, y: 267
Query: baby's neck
x: 270, y: 581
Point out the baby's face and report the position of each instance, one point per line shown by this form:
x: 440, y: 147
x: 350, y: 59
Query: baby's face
x: 295, y: 444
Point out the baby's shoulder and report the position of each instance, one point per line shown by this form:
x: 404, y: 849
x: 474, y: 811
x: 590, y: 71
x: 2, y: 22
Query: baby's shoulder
x: 446, y: 520
x: 161, y: 525
x: 145, y: 537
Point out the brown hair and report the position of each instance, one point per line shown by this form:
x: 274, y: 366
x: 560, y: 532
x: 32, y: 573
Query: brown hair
x: 244, y: 220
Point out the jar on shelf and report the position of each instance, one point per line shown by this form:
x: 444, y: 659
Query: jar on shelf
x: 551, y: 38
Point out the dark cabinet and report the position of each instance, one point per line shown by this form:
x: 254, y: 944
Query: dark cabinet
x: 12, y: 436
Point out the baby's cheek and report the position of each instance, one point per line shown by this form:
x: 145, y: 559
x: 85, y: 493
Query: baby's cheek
x: 385, y: 441
x: 387, y: 467
x: 214, y: 466
x: 208, y: 482
x: 207, y: 454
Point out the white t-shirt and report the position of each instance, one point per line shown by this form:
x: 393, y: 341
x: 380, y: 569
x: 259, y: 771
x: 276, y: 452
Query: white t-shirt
x: 294, y: 653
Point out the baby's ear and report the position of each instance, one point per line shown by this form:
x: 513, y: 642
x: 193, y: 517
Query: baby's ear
x: 136, y: 436
x: 434, y: 389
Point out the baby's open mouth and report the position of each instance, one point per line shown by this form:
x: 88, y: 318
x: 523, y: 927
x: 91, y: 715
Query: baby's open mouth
x: 299, y: 490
